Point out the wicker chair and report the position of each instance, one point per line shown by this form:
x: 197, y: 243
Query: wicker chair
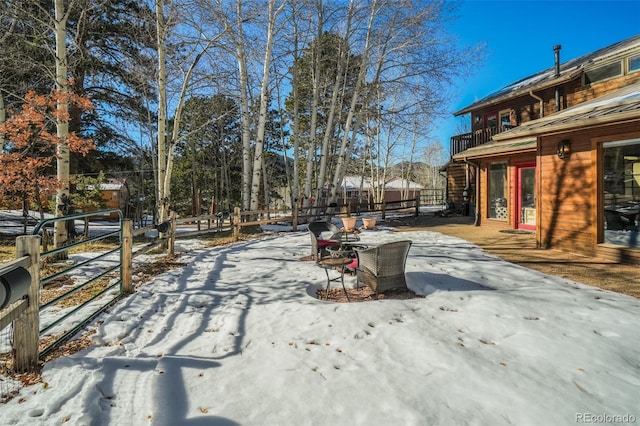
x: 382, y: 267
x: 319, y: 244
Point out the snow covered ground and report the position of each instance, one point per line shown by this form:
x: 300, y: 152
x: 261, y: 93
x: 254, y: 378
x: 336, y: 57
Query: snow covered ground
x: 235, y: 337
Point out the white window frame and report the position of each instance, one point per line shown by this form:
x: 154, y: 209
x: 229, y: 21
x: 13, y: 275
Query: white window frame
x: 628, y: 63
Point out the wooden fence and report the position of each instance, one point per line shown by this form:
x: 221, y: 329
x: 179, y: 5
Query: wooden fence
x: 301, y: 215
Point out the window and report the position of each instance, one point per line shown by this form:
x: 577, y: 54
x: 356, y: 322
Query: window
x: 634, y: 63
x: 498, y: 191
x: 490, y: 120
x: 505, y: 120
x: 621, y: 186
x: 603, y: 72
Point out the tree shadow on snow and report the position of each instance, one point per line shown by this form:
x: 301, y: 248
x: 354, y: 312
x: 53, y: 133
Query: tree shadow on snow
x: 425, y: 283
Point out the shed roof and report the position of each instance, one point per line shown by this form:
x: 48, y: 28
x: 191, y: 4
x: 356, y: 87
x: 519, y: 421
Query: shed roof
x: 353, y: 182
x: 400, y: 183
x: 544, y: 79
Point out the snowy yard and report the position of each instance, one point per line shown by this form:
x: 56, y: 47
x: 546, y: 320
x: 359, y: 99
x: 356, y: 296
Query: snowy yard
x: 235, y: 337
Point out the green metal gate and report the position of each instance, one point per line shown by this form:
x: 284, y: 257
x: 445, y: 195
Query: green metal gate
x: 112, y: 272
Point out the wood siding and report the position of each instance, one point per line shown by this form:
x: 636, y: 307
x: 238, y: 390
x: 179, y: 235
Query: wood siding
x: 456, y: 181
x: 572, y: 93
x: 569, y: 214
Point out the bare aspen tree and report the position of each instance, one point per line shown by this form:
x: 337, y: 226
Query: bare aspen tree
x: 315, y: 78
x: 355, y: 97
x: 294, y: 181
x: 337, y: 99
x: 62, y: 123
x: 161, y: 145
x: 185, y: 69
x: 258, y: 160
x: 241, y: 57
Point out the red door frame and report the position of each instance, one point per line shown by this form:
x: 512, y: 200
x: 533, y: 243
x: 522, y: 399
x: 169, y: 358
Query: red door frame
x: 518, y: 200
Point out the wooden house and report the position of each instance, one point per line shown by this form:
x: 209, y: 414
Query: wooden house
x: 558, y: 154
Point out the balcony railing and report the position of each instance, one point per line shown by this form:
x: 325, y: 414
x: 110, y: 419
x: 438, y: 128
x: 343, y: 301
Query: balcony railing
x: 465, y: 141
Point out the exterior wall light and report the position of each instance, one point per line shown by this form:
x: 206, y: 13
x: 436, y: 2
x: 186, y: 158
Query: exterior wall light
x: 564, y: 149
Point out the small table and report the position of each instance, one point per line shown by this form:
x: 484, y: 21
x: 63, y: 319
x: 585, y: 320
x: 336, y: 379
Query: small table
x: 340, y: 252
x: 333, y: 263
x: 349, y: 237
x: 346, y: 249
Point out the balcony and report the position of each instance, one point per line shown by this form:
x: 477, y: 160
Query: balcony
x: 465, y: 141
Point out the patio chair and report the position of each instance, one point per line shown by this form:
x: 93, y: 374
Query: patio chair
x: 382, y: 267
x: 323, y: 235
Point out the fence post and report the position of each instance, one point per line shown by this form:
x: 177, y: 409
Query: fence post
x: 417, y: 206
x: 172, y: 234
x: 127, y: 256
x: 295, y: 218
x: 26, y: 328
x: 236, y: 224
x: 384, y: 208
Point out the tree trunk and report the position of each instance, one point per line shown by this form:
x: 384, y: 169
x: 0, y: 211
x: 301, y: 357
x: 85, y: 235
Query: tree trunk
x: 264, y: 104
x: 62, y: 124
x: 314, y: 111
x: 244, y: 106
x: 161, y: 201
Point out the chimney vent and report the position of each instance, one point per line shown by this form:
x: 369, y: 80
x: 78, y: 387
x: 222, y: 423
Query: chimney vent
x: 556, y: 49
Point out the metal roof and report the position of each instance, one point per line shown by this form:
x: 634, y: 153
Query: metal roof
x: 547, y: 78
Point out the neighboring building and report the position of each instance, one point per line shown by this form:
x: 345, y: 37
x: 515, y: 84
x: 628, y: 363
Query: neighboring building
x: 558, y: 153
x: 115, y: 194
x: 358, y: 190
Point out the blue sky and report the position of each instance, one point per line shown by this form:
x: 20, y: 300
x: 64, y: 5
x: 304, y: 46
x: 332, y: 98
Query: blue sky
x: 519, y: 38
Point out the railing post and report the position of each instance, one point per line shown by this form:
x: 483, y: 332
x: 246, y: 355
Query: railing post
x: 26, y: 328
x: 127, y: 256
x: 172, y: 234
x: 236, y: 224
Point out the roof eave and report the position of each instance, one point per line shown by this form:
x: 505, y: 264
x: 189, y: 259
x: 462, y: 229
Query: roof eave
x: 494, y: 154
x: 497, y: 149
